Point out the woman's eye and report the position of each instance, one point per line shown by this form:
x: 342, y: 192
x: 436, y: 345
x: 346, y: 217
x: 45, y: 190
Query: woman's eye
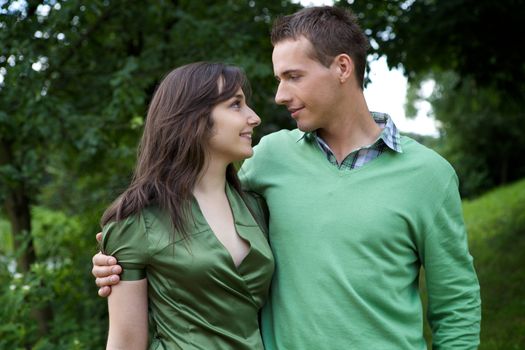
x: 236, y: 104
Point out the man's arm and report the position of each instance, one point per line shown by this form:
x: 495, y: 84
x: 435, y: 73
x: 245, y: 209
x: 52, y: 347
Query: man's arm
x: 106, y: 271
x: 128, y: 316
x: 454, y: 305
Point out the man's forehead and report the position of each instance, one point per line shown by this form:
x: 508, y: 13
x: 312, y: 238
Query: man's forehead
x: 291, y: 44
x: 291, y: 55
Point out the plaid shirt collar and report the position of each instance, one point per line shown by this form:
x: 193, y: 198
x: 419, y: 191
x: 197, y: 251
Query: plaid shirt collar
x: 389, y: 137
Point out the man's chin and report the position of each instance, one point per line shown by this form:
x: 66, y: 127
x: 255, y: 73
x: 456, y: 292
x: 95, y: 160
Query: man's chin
x: 305, y: 128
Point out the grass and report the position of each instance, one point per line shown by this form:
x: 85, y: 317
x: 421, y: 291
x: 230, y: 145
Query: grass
x: 496, y: 230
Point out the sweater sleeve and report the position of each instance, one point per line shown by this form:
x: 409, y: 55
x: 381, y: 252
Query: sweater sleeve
x: 249, y: 172
x: 245, y: 174
x: 126, y: 240
x: 454, y: 305
x: 258, y: 209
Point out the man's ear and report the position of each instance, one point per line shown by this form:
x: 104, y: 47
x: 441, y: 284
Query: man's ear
x: 344, y: 66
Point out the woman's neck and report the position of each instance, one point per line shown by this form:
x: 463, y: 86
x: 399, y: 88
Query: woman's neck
x: 212, y: 179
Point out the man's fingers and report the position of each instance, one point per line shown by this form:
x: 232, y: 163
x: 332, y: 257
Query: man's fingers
x: 104, y: 291
x: 107, y: 281
x: 99, y: 237
x: 103, y: 260
x: 105, y: 271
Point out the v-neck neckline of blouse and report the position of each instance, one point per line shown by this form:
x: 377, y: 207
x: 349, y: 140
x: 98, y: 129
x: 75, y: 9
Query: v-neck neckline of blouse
x: 233, y: 206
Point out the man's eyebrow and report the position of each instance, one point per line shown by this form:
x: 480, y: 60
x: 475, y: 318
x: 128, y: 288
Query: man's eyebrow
x: 288, y: 72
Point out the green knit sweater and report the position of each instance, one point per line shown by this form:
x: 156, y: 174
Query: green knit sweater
x: 349, y: 246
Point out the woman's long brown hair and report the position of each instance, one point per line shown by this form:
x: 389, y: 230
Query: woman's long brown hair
x: 172, y: 151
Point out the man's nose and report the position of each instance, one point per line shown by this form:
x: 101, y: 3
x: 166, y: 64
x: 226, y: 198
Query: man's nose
x: 281, y: 95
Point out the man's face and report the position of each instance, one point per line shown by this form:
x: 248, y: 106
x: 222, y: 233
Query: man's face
x: 308, y: 89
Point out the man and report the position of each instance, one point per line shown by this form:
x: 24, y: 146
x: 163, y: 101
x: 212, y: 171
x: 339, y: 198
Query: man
x: 354, y: 209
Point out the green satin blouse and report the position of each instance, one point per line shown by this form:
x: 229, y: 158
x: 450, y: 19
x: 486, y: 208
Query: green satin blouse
x: 198, y: 298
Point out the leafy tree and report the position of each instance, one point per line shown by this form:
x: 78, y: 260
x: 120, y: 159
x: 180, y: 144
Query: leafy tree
x: 474, y: 41
x: 483, y: 131
x: 75, y: 81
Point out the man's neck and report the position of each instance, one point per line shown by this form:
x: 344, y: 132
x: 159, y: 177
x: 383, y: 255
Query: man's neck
x: 351, y: 128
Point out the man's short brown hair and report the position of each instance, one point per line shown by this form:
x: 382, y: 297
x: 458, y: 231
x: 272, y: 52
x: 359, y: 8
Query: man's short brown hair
x: 331, y: 30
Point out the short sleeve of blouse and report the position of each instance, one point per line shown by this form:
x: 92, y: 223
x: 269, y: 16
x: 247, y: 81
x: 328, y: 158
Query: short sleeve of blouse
x: 127, y: 241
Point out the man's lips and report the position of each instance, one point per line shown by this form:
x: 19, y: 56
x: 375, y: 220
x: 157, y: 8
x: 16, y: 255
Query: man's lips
x: 295, y: 111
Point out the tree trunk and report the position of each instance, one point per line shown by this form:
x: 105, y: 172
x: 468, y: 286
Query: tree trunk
x: 19, y: 215
x: 18, y: 209
x: 504, y: 171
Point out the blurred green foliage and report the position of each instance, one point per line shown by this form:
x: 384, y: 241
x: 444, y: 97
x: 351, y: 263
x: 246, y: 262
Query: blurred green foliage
x: 60, y: 278
x: 6, y: 239
x: 483, y: 130
x: 77, y: 78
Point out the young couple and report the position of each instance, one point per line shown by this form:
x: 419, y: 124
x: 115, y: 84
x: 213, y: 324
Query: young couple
x: 354, y: 211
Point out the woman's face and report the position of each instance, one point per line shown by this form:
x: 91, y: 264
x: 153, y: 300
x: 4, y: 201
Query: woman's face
x: 233, y: 124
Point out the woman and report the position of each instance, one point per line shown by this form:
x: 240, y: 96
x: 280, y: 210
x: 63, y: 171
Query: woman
x: 194, y: 260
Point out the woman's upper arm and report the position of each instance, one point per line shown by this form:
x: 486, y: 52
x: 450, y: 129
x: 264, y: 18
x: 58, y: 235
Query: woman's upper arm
x: 128, y: 315
x: 127, y: 241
